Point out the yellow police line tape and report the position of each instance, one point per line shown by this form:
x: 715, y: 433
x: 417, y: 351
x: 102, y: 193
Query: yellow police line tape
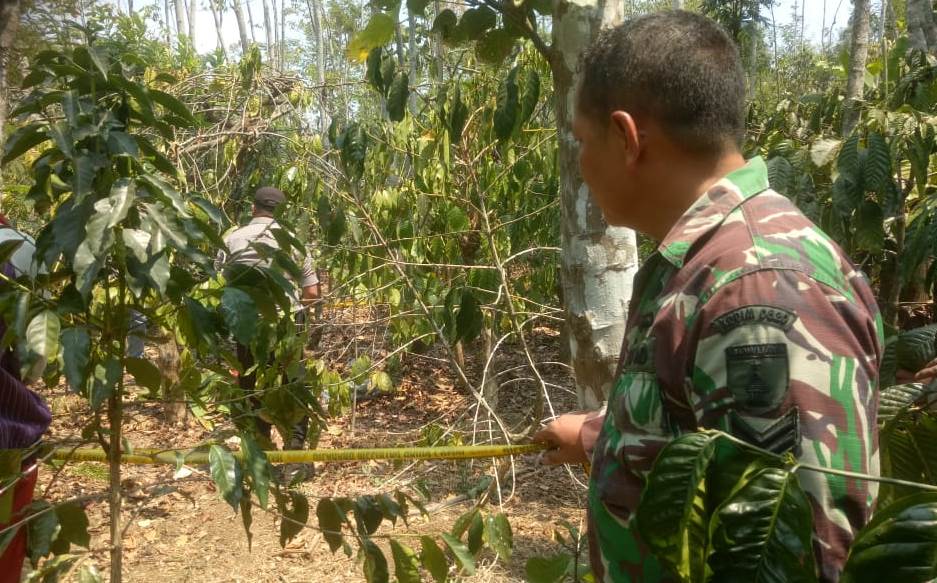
x: 176, y: 456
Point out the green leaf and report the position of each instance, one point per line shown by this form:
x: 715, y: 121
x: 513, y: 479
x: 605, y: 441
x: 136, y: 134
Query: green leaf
x: 469, y: 321
x: 506, y: 109
x: 378, y: 32
x: 672, y: 515
x: 258, y: 467
x: 461, y: 553
x: 226, y: 474
x: 157, y: 158
x: 173, y: 105
x: 475, y: 21
x: 495, y: 46
x: 895, y: 401
x: 463, y: 522
x: 917, y: 347
x: 498, y: 535
x: 145, y: 373
x: 330, y: 522
x: 76, y: 356
x: 298, y: 514
x: 105, y: 378
x: 137, y: 242
x: 122, y: 144
x: 42, y: 336
x: 433, y: 559
x: 547, y: 569
x: 397, y: 97
x: 382, y: 381
x: 42, y: 530
x: 368, y: 513
x: 530, y: 96
x: 373, y: 69
x: 417, y: 7
x: 445, y: 24
x: 780, y: 175
x: 239, y: 313
x: 877, y: 167
x: 74, y: 524
x: 457, y: 116
x: 475, y: 534
x: 375, y: 564
x: 121, y: 198
x: 869, y: 220
x: 23, y: 140
x: 763, y: 531
x: 406, y: 565
x: 161, y: 189
x: 898, y: 544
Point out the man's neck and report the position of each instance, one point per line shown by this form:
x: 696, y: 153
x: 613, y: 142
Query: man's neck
x: 677, y: 191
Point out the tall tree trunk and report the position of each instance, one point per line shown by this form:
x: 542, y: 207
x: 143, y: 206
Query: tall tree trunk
x: 192, y: 10
x: 598, y: 261
x: 180, y: 18
x: 275, y: 59
x: 242, y: 27
x: 859, y: 48
x: 166, y: 10
x: 281, y: 51
x: 216, y: 14
x: 250, y: 21
x: 315, y: 18
x: 398, y: 44
x: 9, y: 22
x: 268, y: 28
x: 922, y: 26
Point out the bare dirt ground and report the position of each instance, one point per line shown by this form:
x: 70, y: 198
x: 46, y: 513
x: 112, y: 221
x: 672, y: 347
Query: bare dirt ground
x: 181, y: 530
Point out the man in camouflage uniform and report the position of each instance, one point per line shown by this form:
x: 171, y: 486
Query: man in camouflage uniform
x: 747, y: 319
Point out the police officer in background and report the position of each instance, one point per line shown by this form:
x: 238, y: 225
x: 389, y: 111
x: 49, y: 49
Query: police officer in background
x: 747, y: 319
x: 246, y: 247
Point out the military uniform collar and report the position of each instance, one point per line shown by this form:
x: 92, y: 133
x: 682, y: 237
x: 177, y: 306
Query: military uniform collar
x: 711, y: 209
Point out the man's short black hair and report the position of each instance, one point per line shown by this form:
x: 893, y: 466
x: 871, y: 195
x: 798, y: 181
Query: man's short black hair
x: 677, y: 67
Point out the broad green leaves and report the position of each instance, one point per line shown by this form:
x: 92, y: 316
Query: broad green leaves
x: 240, y: 313
x: 226, y: 474
x: 406, y: 563
x: 378, y: 32
x: 42, y: 338
x: 899, y: 544
x: 672, y: 514
x: 763, y: 531
x: 917, y: 347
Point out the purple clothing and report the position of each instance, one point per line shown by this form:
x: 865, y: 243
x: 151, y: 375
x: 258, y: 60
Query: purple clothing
x: 23, y: 415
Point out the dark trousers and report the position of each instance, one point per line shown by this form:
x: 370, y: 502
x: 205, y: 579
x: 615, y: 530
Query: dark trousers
x: 248, y: 383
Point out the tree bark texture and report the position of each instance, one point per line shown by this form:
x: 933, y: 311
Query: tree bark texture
x: 180, y: 17
x: 268, y: 28
x: 192, y: 6
x: 598, y: 261
x: 922, y: 26
x: 859, y: 52
x: 242, y: 26
x: 216, y: 14
x: 9, y: 22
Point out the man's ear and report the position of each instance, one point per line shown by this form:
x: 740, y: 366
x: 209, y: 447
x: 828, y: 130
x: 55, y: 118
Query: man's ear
x: 625, y: 132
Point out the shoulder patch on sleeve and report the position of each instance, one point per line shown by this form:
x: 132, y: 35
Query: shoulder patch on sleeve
x: 757, y: 375
x: 755, y: 314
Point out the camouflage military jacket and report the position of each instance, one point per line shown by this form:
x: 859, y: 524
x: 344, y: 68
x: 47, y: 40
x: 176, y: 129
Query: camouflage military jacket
x: 750, y: 320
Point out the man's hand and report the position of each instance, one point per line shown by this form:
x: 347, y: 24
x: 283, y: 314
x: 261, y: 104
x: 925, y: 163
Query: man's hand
x: 925, y: 375
x: 563, y: 435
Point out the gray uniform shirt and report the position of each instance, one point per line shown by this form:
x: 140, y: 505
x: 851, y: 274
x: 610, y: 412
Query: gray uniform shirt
x: 243, y: 249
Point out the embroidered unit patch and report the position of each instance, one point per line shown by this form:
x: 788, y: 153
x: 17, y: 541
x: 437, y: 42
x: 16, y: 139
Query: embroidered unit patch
x: 757, y: 314
x: 757, y: 375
